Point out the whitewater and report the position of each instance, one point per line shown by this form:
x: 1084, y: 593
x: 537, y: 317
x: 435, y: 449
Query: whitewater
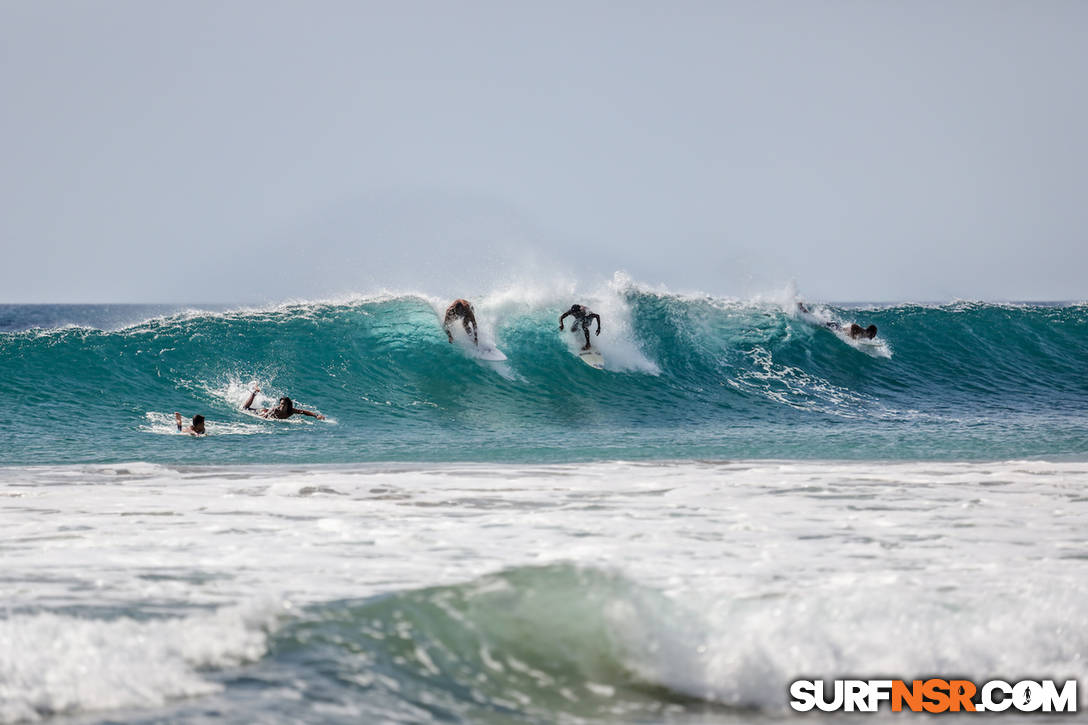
x: 741, y: 498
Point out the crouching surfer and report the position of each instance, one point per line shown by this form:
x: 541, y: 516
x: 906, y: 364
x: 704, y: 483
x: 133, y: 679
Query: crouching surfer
x: 284, y: 408
x: 462, y: 310
x: 582, y: 320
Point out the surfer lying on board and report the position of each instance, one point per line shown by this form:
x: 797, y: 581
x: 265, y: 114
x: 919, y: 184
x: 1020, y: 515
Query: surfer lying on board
x: 196, y: 429
x: 284, y: 408
x: 854, y: 330
x: 582, y: 319
x: 463, y: 310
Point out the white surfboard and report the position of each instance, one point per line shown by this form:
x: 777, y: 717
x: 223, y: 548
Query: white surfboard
x: 592, y: 358
x: 487, y: 352
x: 873, y: 346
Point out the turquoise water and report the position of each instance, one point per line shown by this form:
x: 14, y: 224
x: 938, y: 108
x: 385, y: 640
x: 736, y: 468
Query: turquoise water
x: 742, y: 498
x: 686, y: 377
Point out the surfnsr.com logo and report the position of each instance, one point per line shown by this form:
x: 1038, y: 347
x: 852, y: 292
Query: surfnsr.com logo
x: 934, y: 695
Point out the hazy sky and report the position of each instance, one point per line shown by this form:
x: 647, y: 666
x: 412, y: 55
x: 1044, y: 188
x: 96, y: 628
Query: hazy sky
x: 251, y: 151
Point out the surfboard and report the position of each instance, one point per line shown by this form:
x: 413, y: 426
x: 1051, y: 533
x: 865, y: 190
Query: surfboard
x: 487, y: 352
x: 875, y: 347
x: 592, y: 358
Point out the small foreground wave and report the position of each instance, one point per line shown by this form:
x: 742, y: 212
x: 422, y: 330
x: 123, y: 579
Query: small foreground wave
x: 54, y: 664
x: 531, y: 643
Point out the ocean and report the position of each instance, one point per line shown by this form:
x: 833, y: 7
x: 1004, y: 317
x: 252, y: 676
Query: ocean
x: 742, y: 498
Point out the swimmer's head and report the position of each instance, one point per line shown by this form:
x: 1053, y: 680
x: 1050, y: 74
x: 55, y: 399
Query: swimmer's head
x: 871, y: 331
x: 198, y: 423
x: 283, y: 407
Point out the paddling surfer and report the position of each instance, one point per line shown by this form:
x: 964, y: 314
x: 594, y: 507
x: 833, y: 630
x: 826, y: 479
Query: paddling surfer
x: 196, y: 429
x: 857, y: 331
x: 854, y: 330
x: 284, y: 409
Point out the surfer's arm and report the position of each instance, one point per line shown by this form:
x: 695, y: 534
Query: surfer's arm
x: 310, y: 413
x: 563, y: 317
x: 598, y: 321
x: 184, y: 428
x: 248, y: 404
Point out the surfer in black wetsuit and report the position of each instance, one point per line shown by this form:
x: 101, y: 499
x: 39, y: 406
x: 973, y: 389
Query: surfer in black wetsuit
x: 461, y: 309
x: 857, y: 331
x: 284, y: 408
x: 196, y: 429
x: 854, y: 330
x: 582, y: 319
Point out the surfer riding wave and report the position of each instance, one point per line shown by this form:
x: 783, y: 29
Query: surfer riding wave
x: 461, y: 309
x: 582, y: 320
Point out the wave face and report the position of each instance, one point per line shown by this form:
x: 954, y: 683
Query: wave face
x: 527, y: 644
x: 686, y: 376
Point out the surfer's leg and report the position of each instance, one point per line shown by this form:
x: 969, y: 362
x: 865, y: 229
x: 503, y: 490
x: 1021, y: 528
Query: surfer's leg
x: 585, y: 329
